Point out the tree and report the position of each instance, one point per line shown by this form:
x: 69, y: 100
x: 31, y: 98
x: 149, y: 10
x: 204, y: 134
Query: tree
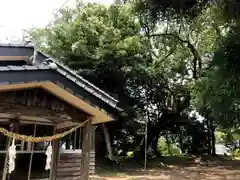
x: 154, y: 58
x: 190, y: 33
x: 105, y: 46
x: 217, y: 92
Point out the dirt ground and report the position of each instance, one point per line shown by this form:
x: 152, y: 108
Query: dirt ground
x: 173, y: 169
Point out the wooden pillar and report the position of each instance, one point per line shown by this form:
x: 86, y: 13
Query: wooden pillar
x: 31, y: 156
x: 93, y: 134
x: 5, y: 170
x: 14, y: 127
x: 80, y: 139
x: 55, y: 158
x: 86, y: 146
x: 92, y: 151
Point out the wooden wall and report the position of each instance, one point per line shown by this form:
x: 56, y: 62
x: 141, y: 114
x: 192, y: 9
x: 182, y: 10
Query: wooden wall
x: 69, y: 162
x: 69, y: 165
x: 39, y: 103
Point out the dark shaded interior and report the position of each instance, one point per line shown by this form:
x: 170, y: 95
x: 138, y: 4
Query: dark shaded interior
x: 22, y: 165
x: 39, y: 158
x: 23, y: 159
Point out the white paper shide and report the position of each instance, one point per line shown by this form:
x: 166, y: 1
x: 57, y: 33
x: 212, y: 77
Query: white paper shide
x: 49, y: 157
x: 11, y: 157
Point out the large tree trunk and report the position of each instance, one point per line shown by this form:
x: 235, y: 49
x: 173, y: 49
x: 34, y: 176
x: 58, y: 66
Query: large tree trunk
x: 108, y: 142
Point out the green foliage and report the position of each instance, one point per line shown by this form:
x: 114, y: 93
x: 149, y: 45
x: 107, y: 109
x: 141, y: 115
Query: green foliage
x: 103, y: 44
x: 224, y: 137
x: 236, y: 154
x: 218, y: 91
x: 166, y: 149
x: 155, y: 56
x: 170, y: 9
x: 220, y: 137
x: 90, y: 33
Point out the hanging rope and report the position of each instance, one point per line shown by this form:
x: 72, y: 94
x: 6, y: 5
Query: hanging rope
x: 39, y: 139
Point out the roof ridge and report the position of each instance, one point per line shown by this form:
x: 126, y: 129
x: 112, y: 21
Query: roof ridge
x: 86, y: 81
x: 16, y: 45
x: 78, y: 76
x: 70, y: 77
x: 60, y: 66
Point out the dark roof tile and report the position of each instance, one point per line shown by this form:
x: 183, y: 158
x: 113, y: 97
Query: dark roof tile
x: 65, y: 71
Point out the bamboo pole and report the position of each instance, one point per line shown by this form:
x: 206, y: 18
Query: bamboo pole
x: 146, y: 137
x: 31, y: 156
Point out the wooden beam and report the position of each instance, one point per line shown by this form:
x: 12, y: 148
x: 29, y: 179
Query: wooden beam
x: 84, y: 170
x: 67, y: 124
x: 14, y: 58
x: 12, y: 108
x: 25, y: 152
x: 4, y: 117
x: 98, y: 115
x: 39, y: 102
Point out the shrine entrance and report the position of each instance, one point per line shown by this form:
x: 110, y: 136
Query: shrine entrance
x: 36, y: 113
x: 30, y: 157
x: 47, y: 117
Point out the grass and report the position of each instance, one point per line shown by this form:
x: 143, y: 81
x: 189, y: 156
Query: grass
x: 171, y: 168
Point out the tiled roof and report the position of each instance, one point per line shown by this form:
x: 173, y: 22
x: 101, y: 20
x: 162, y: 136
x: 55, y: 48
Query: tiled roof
x: 25, y: 67
x: 29, y: 45
x: 72, y: 75
x: 65, y: 71
x: 87, y: 83
x: 69, y: 75
x: 83, y: 83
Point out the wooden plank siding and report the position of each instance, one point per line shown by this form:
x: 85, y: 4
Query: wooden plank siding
x: 69, y: 165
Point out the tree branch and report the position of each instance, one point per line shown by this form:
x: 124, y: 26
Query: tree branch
x: 197, y: 57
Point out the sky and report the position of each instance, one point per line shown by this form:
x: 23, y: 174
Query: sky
x: 16, y: 15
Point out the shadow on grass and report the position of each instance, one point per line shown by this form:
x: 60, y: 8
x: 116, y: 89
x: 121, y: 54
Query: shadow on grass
x: 170, y: 168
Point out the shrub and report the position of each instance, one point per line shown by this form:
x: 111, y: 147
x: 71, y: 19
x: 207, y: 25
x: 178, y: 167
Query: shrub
x: 236, y: 154
x: 167, y: 149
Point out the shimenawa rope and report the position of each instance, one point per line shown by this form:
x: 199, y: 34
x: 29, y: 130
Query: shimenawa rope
x: 38, y: 139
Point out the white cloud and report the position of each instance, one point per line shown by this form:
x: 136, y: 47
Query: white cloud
x: 25, y: 13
